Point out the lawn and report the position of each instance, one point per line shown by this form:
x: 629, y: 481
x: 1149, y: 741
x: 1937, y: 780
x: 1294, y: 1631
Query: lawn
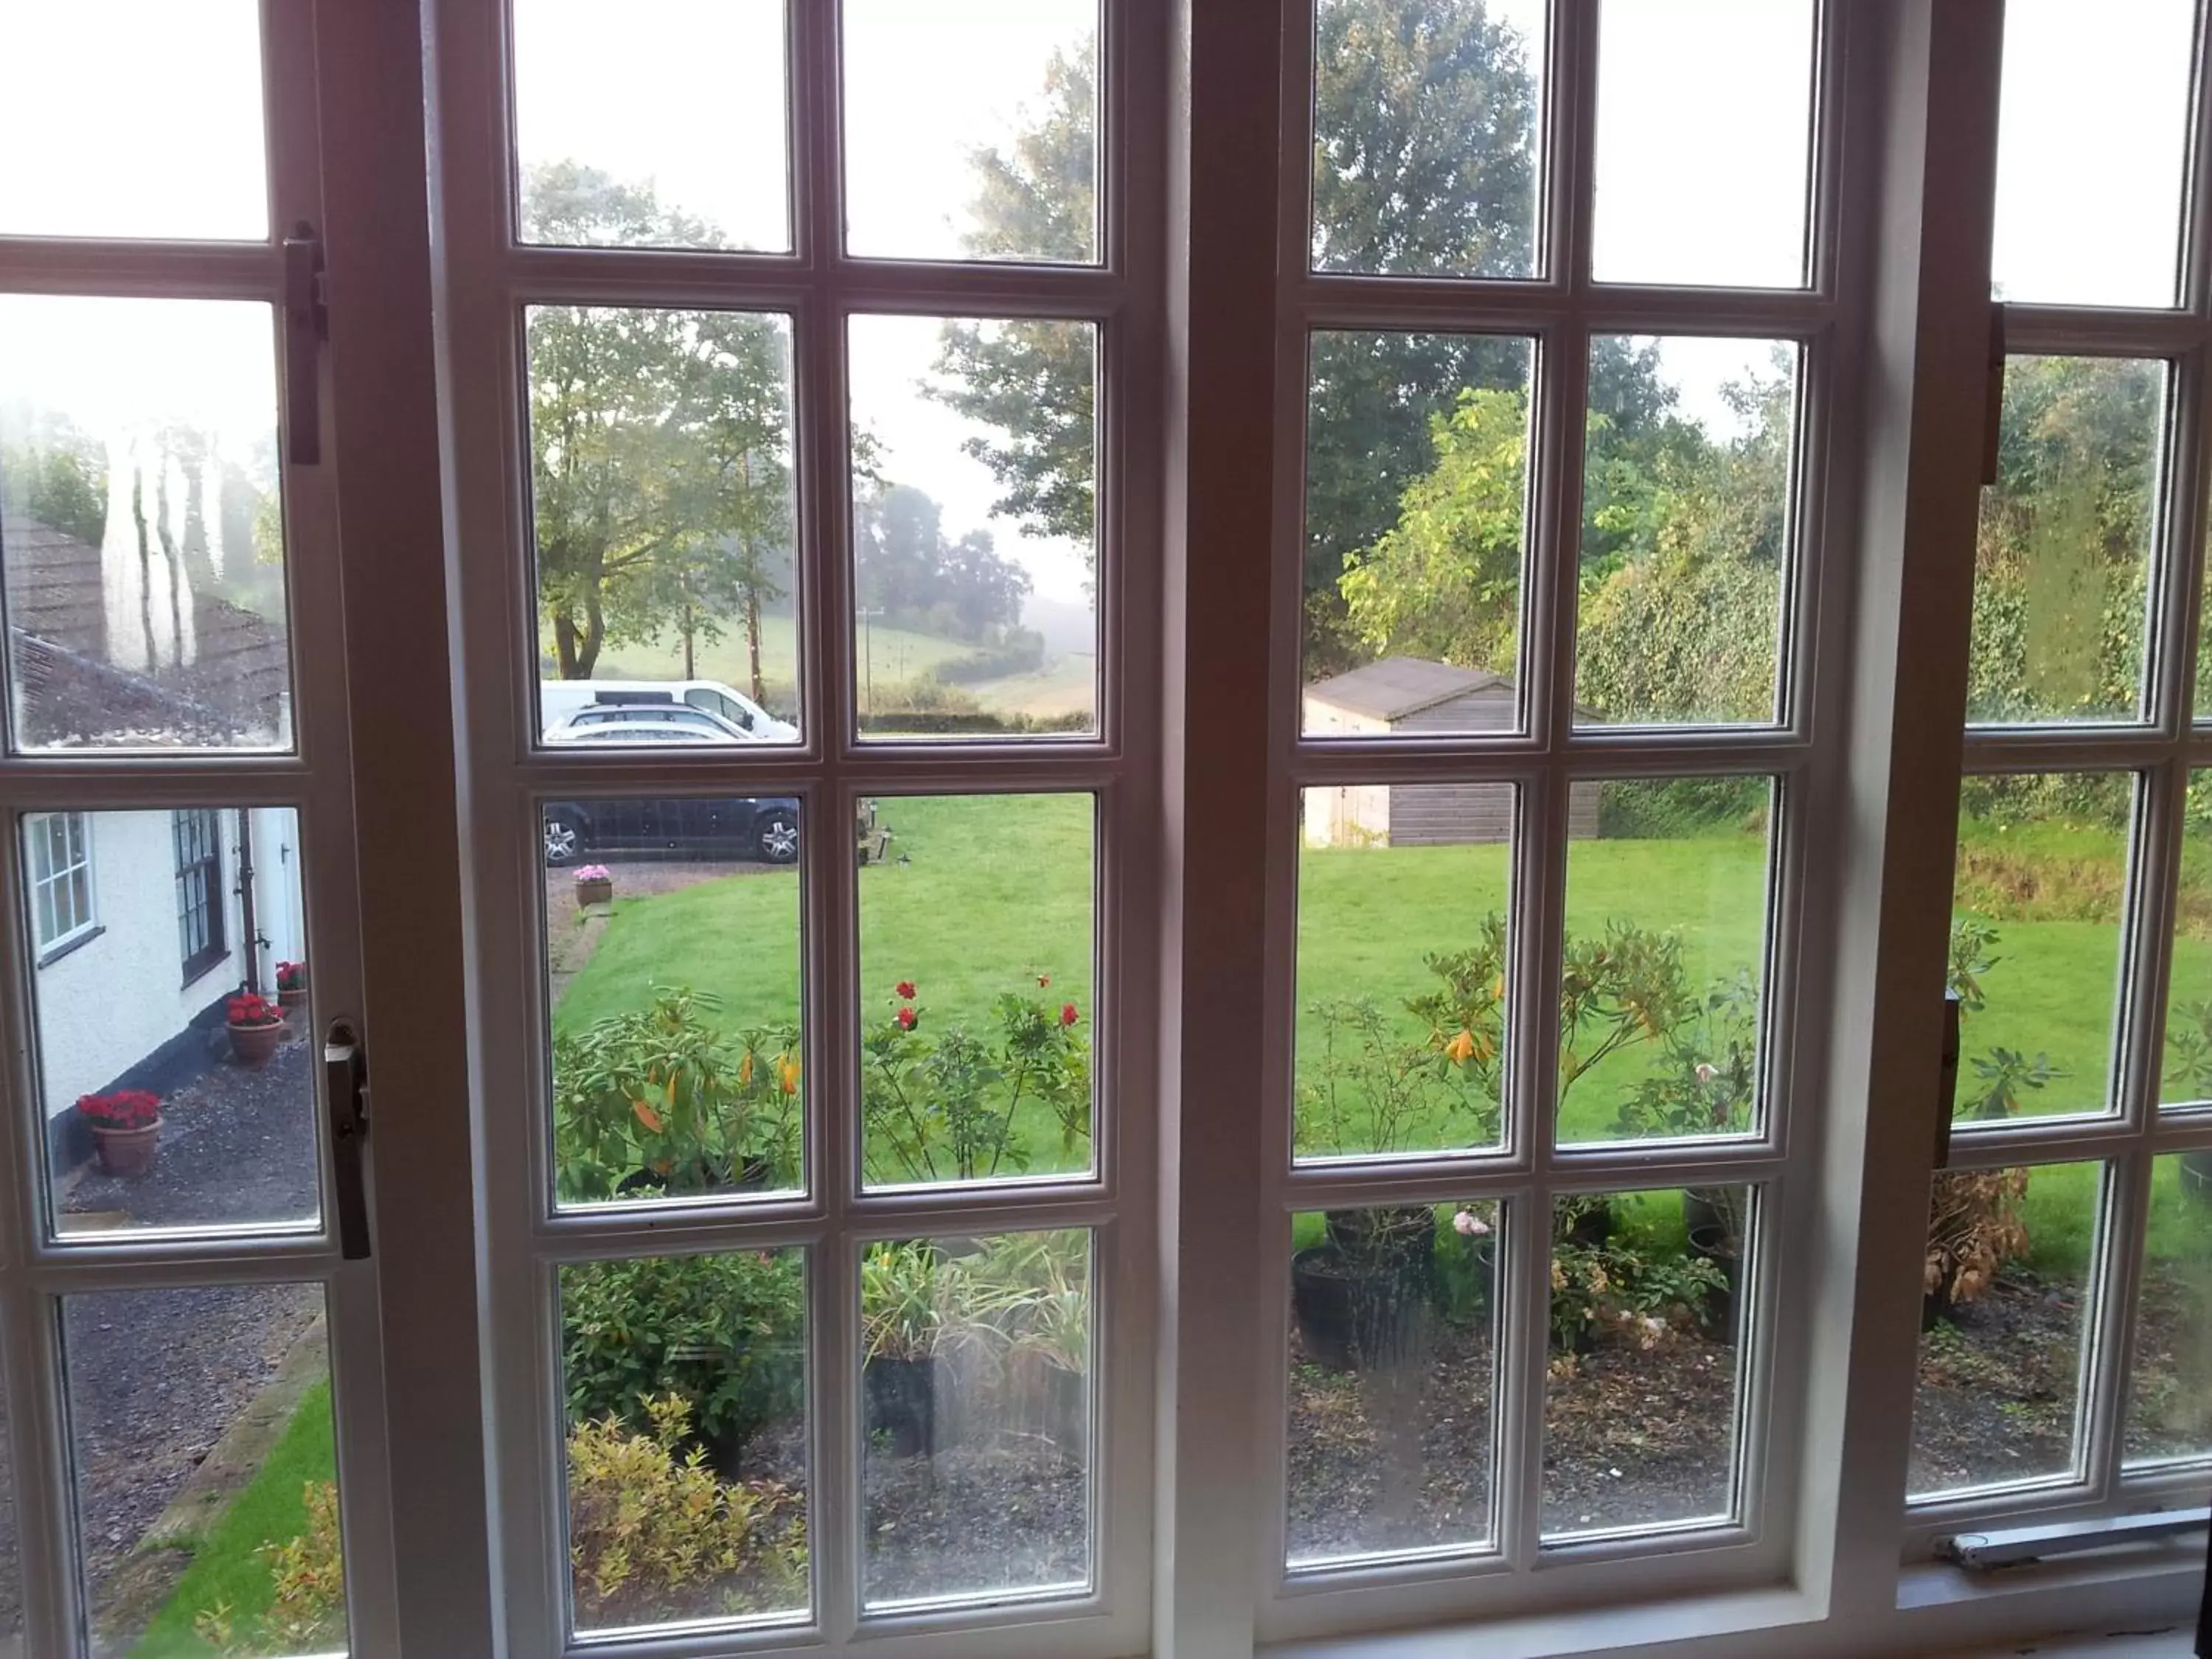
x: 227, y: 1569
x: 999, y: 890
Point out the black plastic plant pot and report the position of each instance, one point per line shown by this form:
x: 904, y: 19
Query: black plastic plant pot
x: 1591, y: 1227
x: 901, y: 1397
x: 1355, y: 1315
x: 1704, y: 1210
x: 1716, y: 1243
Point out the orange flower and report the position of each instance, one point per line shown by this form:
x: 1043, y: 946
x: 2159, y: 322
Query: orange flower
x: 1461, y: 1049
x: 646, y: 1115
x: 745, y: 1070
x: 787, y: 1075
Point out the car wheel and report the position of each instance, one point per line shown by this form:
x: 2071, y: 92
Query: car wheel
x: 564, y: 839
x: 779, y: 837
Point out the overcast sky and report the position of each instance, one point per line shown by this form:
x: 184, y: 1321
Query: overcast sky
x: 1699, y: 163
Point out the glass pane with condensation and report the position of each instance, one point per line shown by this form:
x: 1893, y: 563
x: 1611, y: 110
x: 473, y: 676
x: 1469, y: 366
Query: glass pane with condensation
x: 1416, y: 519
x: 170, y: 989
x: 142, y: 525
x: 1687, y: 460
x: 2037, y: 907
x: 2063, y: 551
x: 664, y: 513
x: 203, y: 1443
x: 685, y: 1449
x: 977, y: 1412
x: 1428, y: 138
x: 972, y: 129
x: 1402, y: 968
x: 1650, y: 1314
x: 664, y: 125
x: 1704, y: 151
x: 673, y: 978
x: 2170, y: 1382
x: 92, y: 129
x: 2186, y: 1076
x: 2008, y: 1291
x: 1663, y: 983
x: 2092, y: 152
x: 974, y: 528
x: 976, y: 1038
x: 1393, y: 1382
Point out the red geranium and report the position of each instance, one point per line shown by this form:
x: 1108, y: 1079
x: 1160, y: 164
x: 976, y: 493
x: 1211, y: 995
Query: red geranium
x: 905, y: 988
x: 126, y: 1108
x: 1067, y: 1014
x: 908, y: 1020
x: 292, y: 976
x: 251, y: 1008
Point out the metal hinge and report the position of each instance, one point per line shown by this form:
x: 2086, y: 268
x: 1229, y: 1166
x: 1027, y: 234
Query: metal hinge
x: 306, y: 325
x: 345, y: 1082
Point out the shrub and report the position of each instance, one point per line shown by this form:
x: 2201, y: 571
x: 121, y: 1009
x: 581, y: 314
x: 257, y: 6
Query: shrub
x: 1678, y: 809
x: 1022, y: 651
x: 1706, y: 1080
x: 653, y: 1535
x: 1645, y: 1295
x: 307, y: 1606
x: 655, y: 1096
x: 723, y: 1334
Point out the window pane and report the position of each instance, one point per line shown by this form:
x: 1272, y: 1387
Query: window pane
x: 133, y: 169
x: 660, y: 452
x: 178, y: 1091
x: 1704, y: 142
x: 976, y: 1000
x: 140, y: 524
x: 1392, y: 1381
x: 1416, y: 505
x: 975, y: 527
x: 686, y: 1452
x: 1667, y: 885
x: 1649, y: 1298
x: 200, y: 1429
x: 976, y: 1416
x: 662, y: 125
x: 2037, y: 906
x: 2170, y: 1393
x: 1402, y: 968
x: 1428, y: 124
x: 2093, y: 141
x: 971, y: 130
x: 2006, y: 1300
x: 1686, y: 530
x: 2061, y: 557
x: 2186, y: 1076
x: 672, y: 973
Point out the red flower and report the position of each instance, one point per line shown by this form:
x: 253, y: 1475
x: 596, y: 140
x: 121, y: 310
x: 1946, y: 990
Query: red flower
x: 907, y: 1019
x: 126, y: 1108
x: 905, y: 988
x: 251, y: 1008
x: 1067, y: 1014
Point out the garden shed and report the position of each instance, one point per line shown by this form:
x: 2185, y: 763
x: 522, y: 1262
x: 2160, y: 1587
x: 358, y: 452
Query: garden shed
x: 1411, y: 696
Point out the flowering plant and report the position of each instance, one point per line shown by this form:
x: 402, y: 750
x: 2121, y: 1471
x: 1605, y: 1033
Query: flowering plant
x: 251, y: 1008
x: 292, y: 976
x: 592, y: 873
x: 126, y: 1108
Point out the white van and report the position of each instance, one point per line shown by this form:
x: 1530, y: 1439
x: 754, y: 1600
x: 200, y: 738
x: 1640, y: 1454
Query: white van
x: 559, y: 700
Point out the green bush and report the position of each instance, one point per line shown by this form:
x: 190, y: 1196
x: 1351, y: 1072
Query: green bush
x: 724, y: 1334
x: 1681, y: 809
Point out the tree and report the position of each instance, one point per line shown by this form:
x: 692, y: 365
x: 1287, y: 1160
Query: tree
x: 906, y: 571
x: 53, y: 472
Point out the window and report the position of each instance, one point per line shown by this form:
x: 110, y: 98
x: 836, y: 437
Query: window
x: 60, y: 846
x: 200, y: 895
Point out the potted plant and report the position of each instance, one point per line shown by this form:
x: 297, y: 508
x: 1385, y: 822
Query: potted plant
x: 126, y: 1129
x: 257, y: 1026
x: 595, y: 884
x: 292, y: 984
x: 1024, y: 1297
x: 901, y: 1329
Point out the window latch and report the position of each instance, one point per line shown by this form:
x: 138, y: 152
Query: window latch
x: 306, y: 325
x: 345, y: 1081
x: 1993, y: 396
x: 1946, y: 1088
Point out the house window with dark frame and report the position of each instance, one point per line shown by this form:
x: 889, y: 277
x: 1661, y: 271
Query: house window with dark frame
x: 199, y: 835
x: 61, y: 880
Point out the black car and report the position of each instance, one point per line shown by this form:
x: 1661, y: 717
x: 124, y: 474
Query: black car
x: 765, y: 829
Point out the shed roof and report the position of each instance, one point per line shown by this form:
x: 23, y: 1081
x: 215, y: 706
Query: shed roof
x: 1399, y: 686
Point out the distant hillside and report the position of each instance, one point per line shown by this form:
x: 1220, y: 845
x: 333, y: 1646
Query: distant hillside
x: 1067, y: 625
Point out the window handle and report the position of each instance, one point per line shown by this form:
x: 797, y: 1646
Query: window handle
x: 306, y: 325
x: 1947, y: 1091
x: 345, y: 1081
x: 1993, y: 396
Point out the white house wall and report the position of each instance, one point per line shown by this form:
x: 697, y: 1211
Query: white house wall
x: 113, y: 1001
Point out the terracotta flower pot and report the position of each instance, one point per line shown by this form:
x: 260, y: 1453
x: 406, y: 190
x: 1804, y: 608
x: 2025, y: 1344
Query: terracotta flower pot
x: 296, y: 997
x: 252, y: 1045
x: 589, y: 893
x: 128, y: 1152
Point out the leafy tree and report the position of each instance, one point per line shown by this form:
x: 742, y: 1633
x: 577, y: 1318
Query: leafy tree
x: 907, y: 570
x: 54, y: 473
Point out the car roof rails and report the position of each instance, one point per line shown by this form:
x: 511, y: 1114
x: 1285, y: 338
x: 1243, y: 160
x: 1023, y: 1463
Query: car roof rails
x: 634, y: 696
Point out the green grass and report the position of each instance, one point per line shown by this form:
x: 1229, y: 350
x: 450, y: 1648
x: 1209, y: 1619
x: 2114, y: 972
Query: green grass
x: 226, y: 1568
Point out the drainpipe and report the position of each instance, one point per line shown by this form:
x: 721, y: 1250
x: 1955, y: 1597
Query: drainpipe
x: 246, y: 899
